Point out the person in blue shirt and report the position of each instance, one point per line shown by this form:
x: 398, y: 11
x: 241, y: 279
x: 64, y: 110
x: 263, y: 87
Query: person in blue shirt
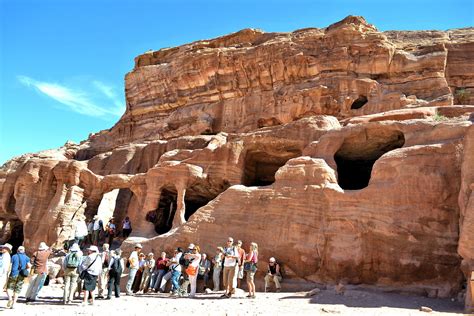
x: 20, y: 261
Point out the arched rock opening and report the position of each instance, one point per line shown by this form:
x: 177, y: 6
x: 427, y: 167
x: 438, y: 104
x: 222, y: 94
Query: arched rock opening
x: 358, y: 154
x: 260, y: 166
x: 359, y: 102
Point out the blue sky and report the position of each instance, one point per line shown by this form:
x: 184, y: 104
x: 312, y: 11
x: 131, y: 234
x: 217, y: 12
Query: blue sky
x: 63, y: 63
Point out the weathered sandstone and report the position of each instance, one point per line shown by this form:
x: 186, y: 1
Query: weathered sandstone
x: 346, y: 152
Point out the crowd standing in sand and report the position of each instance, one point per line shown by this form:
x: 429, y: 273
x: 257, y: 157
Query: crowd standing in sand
x: 96, y: 273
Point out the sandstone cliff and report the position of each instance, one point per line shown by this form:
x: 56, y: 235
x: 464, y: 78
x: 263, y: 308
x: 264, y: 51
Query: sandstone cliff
x: 345, y: 152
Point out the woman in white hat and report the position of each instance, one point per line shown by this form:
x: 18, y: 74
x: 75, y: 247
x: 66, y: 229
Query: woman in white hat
x: 5, y: 261
x: 90, y: 270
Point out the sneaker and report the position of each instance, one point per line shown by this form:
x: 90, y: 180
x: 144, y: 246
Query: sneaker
x: 224, y: 295
x: 253, y: 296
x: 108, y: 298
x: 129, y: 293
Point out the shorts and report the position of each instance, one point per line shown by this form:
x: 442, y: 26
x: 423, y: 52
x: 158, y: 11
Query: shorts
x: 240, y: 274
x: 15, y: 283
x: 250, y: 276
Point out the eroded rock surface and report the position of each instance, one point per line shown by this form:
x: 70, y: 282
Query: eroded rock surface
x: 346, y: 152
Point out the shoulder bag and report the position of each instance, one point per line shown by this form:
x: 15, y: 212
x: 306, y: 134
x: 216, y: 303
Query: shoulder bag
x: 84, y: 272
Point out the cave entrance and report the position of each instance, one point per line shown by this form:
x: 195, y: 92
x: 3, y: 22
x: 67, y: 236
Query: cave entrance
x: 358, y: 154
x: 162, y: 217
x: 193, y: 201
x: 260, y: 167
x: 359, y: 102
x: 16, y: 235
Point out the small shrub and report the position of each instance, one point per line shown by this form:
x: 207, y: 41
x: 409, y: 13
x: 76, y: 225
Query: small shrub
x: 462, y: 95
x: 439, y: 118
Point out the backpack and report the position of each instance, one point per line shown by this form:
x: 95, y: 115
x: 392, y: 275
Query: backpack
x: 73, y: 260
x: 116, y: 267
x: 184, y: 262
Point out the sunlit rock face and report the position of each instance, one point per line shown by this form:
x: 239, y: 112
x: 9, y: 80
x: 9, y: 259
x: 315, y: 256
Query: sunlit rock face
x: 345, y: 152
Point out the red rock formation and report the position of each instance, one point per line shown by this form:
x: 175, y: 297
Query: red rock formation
x: 337, y: 150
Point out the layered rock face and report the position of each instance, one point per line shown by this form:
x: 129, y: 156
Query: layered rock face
x: 345, y: 152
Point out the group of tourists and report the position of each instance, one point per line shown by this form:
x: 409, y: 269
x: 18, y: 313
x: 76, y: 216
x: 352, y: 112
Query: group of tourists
x: 84, y: 273
x: 95, y: 231
x: 186, y: 266
x: 15, y: 269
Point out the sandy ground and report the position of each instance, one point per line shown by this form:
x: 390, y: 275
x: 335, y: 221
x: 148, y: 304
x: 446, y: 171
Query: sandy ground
x: 327, y: 302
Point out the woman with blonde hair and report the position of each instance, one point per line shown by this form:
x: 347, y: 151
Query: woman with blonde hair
x: 250, y: 267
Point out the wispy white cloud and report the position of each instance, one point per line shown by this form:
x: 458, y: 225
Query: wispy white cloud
x: 75, y: 99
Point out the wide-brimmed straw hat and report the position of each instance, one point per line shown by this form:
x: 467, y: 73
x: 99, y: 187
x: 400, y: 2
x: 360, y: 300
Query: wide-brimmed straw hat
x: 93, y: 248
x: 74, y: 248
x: 43, y: 246
x: 8, y: 246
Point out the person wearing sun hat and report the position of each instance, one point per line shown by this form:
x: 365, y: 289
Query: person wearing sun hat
x: 39, y: 271
x: 70, y: 264
x: 93, y: 265
x: 5, y: 261
x: 134, y: 265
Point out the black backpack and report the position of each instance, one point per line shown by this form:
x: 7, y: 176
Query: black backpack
x: 116, y: 266
x: 183, y: 261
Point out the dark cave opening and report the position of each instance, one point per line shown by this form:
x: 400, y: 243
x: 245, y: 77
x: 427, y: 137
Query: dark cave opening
x: 260, y: 167
x: 357, y: 156
x: 359, y: 102
x: 16, y: 236
x: 193, y: 203
x: 162, y: 217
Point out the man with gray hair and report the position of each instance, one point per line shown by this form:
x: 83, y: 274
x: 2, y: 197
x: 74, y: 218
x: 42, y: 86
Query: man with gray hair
x: 231, y: 256
x: 116, y: 268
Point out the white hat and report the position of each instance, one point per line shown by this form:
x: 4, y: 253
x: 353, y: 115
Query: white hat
x: 43, y: 246
x: 138, y: 246
x: 93, y: 248
x: 272, y: 259
x: 21, y: 249
x: 74, y: 248
x: 191, y: 246
x: 8, y: 246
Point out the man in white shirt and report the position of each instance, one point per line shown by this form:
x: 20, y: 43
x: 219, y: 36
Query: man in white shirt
x: 103, y: 277
x: 5, y: 261
x: 134, y: 265
x: 80, y: 231
x: 231, y: 256
x: 97, y: 227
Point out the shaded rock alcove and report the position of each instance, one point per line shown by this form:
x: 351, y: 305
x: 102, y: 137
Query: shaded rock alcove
x: 359, y: 102
x: 163, y: 217
x: 358, y: 154
x: 260, y: 167
x: 16, y: 233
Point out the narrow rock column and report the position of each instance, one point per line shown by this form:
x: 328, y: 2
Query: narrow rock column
x: 181, y: 207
